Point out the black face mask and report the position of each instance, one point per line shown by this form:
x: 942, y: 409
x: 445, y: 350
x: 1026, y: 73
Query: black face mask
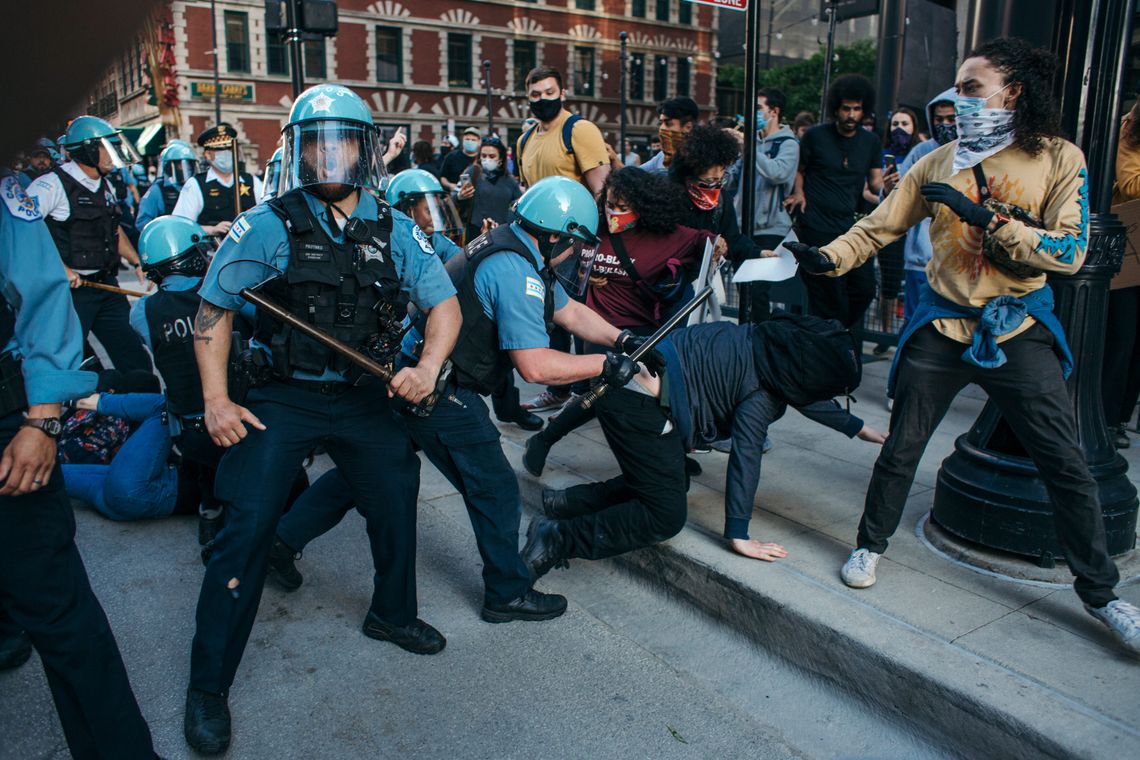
x: 945, y: 133
x: 545, y: 109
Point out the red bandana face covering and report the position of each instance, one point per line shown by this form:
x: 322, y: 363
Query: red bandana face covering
x: 704, y: 198
x: 620, y: 222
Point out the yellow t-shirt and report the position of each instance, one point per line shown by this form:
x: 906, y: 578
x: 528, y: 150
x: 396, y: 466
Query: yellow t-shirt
x: 1052, y: 187
x: 545, y: 155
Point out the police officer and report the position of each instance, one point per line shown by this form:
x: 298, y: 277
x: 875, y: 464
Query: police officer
x: 350, y: 263
x: 272, y: 176
x: 44, y: 588
x: 41, y: 159
x: 208, y: 198
x: 79, y: 206
x: 176, y: 166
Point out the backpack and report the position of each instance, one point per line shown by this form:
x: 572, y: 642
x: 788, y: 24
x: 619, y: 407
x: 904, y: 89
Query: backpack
x: 91, y: 438
x: 805, y: 359
x: 567, y: 140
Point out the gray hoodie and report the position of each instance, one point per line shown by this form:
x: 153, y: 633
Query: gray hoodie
x: 777, y: 157
x: 917, y: 251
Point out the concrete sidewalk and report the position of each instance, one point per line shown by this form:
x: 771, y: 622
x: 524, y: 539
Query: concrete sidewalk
x: 994, y: 667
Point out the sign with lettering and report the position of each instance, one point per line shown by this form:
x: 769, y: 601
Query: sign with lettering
x: 230, y: 91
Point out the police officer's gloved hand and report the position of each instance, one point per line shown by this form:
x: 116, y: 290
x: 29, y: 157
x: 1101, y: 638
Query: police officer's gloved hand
x: 618, y: 369
x: 653, y: 359
x: 811, y: 259
x: 969, y: 212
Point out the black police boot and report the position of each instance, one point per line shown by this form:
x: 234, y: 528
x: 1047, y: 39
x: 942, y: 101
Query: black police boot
x: 282, y: 571
x: 533, y: 605
x: 524, y: 419
x: 534, y: 458
x: 417, y: 637
x: 15, y: 650
x: 543, y: 550
x: 207, y: 722
x: 556, y: 506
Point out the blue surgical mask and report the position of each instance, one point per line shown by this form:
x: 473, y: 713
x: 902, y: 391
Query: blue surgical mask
x: 223, y: 163
x: 470, y: 146
x: 964, y: 106
x: 761, y: 121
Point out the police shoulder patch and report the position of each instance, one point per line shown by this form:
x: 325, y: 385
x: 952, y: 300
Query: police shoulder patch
x: 422, y: 240
x: 535, y: 288
x: 19, y: 203
x: 239, y: 228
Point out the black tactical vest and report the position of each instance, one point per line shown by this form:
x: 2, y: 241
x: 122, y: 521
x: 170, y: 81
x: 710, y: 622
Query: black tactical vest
x: 89, y: 239
x: 479, y: 362
x: 349, y: 290
x: 170, y: 322
x: 218, y: 200
x: 170, y: 195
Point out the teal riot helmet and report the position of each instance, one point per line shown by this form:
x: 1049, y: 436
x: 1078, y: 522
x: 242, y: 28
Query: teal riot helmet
x: 174, y: 245
x: 93, y: 142
x: 178, y: 162
x: 558, y: 206
x: 272, y: 176
x: 419, y: 194
x: 330, y: 144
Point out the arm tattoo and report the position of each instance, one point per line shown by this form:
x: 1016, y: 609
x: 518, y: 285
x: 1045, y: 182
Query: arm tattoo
x: 208, y: 316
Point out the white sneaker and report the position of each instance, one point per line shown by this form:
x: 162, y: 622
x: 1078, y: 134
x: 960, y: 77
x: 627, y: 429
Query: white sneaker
x: 545, y: 402
x: 890, y: 404
x: 859, y: 569
x: 1123, y: 619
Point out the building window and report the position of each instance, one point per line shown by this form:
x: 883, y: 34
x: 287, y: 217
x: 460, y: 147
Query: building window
x: 662, y: 10
x: 637, y: 76
x: 683, y: 76
x: 685, y: 12
x: 237, y: 41
x: 389, y: 54
x: 661, y: 79
x: 276, y: 55
x: 458, y: 60
x: 583, y: 71
x: 277, y: 60
x: 526, y: 58
x: 584, y: 5
x: 637, y: 9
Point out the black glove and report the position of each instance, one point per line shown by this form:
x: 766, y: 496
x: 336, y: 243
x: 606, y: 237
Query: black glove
x: 618, y: 369
x: 653, y: 359
x: 811, y: 258
x: 969, y: 212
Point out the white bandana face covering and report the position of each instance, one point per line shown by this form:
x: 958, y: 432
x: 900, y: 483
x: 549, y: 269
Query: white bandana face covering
x: 981, y: 134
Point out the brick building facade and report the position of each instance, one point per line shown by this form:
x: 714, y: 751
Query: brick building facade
x: 418, y: 63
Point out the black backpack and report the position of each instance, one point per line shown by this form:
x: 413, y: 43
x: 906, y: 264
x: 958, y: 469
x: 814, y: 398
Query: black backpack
x: 805, y: 359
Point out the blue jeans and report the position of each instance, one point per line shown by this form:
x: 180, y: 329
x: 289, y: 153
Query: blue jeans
x: 915, y: 279
x: 139, y: 483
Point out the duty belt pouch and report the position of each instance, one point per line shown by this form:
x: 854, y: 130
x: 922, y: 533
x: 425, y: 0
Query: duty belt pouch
x: 12, y: 395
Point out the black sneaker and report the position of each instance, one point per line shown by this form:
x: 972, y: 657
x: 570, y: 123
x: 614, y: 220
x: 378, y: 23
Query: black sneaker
x: 208, y: 527
x: 534, y: 458
x: 417, y: 638
x: 15, y: 650
x: 543, y: 548
x: 533, y: 605
x: 282, y: 571
x: 1119, y: 436
x: 207, y: 722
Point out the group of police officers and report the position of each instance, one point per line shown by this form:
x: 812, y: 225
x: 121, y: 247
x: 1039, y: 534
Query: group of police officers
x: 371, y: 272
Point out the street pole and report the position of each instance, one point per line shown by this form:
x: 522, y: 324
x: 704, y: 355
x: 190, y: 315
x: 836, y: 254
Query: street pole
x: 294, y: 42
x: 831, y: 18
x: 624, y: 37
x: 748, y: 163
x: 487, y: 84
x: 771, y: 23
x: 217, y: 54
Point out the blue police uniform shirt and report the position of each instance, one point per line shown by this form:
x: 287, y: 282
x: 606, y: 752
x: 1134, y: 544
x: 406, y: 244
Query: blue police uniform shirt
x: 446, y: 249
x: 151, y: 206
x: 257, y: 248
x: 47, y: 337
x: 514, y: 296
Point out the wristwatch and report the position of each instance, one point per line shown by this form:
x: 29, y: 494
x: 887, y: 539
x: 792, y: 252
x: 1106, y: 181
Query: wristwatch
x: 49, y: 426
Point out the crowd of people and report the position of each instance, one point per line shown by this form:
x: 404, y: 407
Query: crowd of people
x: 555, y: 259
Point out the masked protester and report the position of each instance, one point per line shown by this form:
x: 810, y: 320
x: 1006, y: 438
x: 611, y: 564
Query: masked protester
x: 208, y: 198
x: 486, y: 190
x: 455, y: 163
x: 676, y: 118
x: 1008, y: 203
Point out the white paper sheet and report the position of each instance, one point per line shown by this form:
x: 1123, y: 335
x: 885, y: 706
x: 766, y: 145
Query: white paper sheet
x: 781, y: 267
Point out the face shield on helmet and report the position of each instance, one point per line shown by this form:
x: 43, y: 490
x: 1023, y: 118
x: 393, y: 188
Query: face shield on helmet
x: 434, y: 212
x: 272, y: 178
x: 104, y: 153
x: 179, y: 171
x: 330, y: 154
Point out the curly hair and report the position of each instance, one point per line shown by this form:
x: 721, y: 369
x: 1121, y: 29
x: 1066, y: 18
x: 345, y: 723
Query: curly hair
x: 658, y: 202
x: 1035, y: 115
x: 850, y: 87
x: 1130, y: 135
x: 705, y: 147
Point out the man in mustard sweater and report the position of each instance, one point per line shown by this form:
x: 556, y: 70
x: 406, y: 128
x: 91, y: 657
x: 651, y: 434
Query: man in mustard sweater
x: 1008, y: 202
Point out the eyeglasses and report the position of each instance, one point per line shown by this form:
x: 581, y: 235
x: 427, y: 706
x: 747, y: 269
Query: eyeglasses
x: 709, y: 184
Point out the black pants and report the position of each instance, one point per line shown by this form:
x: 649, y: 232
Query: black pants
x: 1121, y: 381
x: 108, y: 317
x: 1031, y: 394
x: 845, y: 298
x: 755, y: 299
x: 45, y: 591
x: 647, y: 503
x: 505, y: 399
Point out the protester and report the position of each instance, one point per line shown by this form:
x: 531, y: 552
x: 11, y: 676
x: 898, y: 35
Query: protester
x: 1121, y: 385
x: 423, y: 157
x: 629, y: 155
x: 985, y: 259
x: 837, y: 161
x: 802, y: 123
x: 699, y: 167
x: 486, y: 190
x: 452, y: 166
x: 676, y: 118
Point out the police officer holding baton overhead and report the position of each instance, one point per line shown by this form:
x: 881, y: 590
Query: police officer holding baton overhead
x: 347, y: 260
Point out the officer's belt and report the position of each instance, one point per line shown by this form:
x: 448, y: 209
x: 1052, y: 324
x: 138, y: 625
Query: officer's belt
x: 196, y: 423
x: 323, y: 387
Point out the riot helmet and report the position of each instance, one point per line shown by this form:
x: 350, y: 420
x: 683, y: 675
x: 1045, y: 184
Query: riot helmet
x: 93, y: 142
x: 558, y: 206
x: 272, y: 176
x: 419, y: 194
x: 179, y: 162
x: 330, y: 144
x: 174, y: 245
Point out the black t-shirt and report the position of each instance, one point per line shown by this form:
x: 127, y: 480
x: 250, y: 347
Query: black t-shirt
x: 454, y: 164
x: 835, y: 169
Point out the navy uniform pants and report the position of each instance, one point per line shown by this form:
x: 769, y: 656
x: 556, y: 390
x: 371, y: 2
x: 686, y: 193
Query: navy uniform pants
x: 463, y: 444
x: 108, y: 317
x: 44, y: 590
x: 373, y: 454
